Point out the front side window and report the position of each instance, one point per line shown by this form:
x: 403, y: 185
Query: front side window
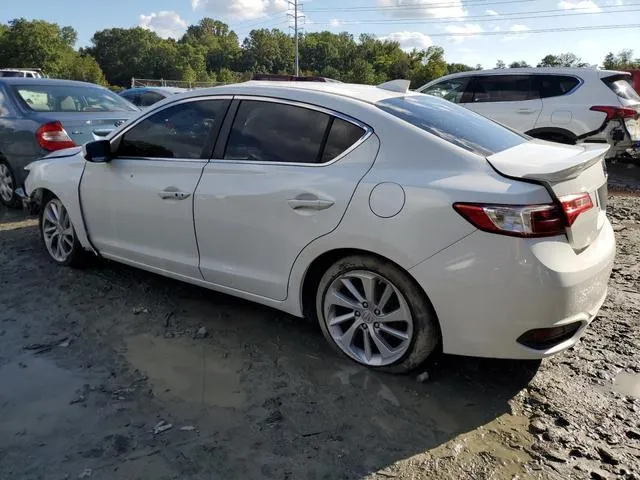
x: 502, y: 88
x: 181, y: 131
x: 276, y: 132
x: 453, y: 123
x: 70, y: 98
x: 452, y: 90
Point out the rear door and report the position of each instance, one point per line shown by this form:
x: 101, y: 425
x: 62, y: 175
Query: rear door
x: 283, y: 178
x: 507, y: 99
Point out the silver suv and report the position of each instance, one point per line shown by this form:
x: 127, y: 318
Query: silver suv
x: 566, y: 105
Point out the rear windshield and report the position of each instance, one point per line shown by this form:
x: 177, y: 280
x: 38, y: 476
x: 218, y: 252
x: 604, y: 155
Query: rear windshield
x: 452, y: 123
x: 71, y: 98
x: 622, y: 87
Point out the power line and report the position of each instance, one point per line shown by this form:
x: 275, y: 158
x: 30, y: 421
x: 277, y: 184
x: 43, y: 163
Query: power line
x: 480, y: 18
x: 541, y: 30
x: 420, y: 6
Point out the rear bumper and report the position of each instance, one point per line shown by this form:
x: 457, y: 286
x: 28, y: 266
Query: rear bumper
x: 488, y: 290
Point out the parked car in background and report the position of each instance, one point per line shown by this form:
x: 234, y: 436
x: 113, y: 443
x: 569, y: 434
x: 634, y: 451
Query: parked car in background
x: 399, y: 220
x: 635, y: 79
x: 144, y: 97
x: 38, y: 116
x: 566, y: 105
x: 21, y: 72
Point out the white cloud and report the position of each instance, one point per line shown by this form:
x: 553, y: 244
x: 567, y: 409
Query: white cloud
x: 519, y: 32
x: 582, y: 5
x: 424, y: 8
x: 335, y: 23
x: 463, y: 31
x: 241, y: 9
x: 409, y: 40
x: 166, y: 24
x: 493, y: 13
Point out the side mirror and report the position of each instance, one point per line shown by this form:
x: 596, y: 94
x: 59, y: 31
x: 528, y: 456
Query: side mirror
x: 98, y: 151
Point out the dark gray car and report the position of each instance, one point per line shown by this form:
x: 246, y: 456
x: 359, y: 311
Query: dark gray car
x: 39, y: 116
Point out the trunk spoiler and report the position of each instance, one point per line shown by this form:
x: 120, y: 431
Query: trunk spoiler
x: 547, y: 162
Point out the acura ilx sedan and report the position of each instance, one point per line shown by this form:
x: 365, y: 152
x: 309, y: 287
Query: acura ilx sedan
x: 401, y: 222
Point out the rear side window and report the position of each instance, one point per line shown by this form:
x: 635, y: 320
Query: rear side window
x: 502, y: 88
x: 452, y: 123
x: 70, y: 98
x: 554, y: 85
x: 342, y: 136
x: 181, y: 131
x: 148, y: 98
x: 622, y: 87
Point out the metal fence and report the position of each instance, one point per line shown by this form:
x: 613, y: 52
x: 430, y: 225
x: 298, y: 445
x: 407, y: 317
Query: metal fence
x: 161, y: 82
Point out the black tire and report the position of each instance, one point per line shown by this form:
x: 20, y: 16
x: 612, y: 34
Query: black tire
x: 15, y: 201
x: 77, y: 257
x: 426, y: 332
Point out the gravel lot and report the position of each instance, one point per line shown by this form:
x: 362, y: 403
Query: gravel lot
x: 113, y: 373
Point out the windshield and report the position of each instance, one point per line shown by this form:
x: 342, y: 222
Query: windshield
x: 622, y: 87
x: 71, y: 98
x: 453, y: 123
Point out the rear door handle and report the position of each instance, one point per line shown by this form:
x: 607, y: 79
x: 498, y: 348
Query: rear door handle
x: 310, y: 203
x: 527, y: 111
x: 172, y: 193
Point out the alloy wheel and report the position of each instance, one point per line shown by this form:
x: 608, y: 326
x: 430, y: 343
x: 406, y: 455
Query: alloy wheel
x: 57, y: 231
x: 6, y: 183
x: 368, y: 318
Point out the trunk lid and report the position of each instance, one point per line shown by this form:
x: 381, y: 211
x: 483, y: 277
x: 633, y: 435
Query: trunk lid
x: 563, y: 170
x: 86, y: 127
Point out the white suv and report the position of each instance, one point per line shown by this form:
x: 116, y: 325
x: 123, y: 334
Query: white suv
x: 566, y: 105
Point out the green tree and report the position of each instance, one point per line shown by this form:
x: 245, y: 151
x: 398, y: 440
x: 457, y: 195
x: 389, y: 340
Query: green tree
x: 75, y: 66
x: 562, y: 60
x: 427, y: 65
x: 220, y: 44
x: 267, y: 51
x: 520, y: 64
x: 458, y: 67
x: 621, y: 61
x: 500, y: 64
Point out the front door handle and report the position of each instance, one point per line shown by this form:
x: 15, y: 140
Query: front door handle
x: 310, y: 203
x: 527, y: 111
x: 172, y: 193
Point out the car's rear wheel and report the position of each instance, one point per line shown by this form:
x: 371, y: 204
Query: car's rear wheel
x: 58, y: 235
x: 8, y: 187
x: 372, y: 312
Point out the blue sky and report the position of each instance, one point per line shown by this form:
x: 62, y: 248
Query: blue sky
x: 470, y: 31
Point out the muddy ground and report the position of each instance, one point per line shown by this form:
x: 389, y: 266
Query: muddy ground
x: 114, y: 373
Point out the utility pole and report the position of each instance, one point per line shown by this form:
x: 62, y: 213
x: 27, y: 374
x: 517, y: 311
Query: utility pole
x: 294, y: 3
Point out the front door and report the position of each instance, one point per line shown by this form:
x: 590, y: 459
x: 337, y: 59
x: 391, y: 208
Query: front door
x: 285, y: 178
x: 139, y: 206
x: 507, y: 99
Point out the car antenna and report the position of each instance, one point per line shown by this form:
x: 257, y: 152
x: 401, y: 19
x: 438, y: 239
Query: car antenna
x: 401, y: 86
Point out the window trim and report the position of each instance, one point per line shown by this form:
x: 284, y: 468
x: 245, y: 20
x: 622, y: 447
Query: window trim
x: 367, y: 129
x: 115, y: 141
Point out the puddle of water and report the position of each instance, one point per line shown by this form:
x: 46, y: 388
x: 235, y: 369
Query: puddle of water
x: 35, y: 396
x: 185, y: 371
x: 627, y: 384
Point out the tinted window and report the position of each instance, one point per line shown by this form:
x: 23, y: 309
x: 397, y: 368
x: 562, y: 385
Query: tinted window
x: 181, y: 131
x: 341, y: 137
x: 11, y: 74
x: 71, y: 98
x: 554, y: 85
x: 451, y: 90
x: 622, y: 87
x: 452, y: 123
x: 275, y: 132
x: 149, y: 98
x: 501, y: 88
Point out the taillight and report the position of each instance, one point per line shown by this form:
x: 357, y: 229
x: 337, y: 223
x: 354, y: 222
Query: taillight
x: 526, y: 220
x: 615, y: 112
x: 52, y: 136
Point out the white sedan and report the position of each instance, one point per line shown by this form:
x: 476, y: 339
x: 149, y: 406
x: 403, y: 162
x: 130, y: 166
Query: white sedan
x: 401, y: 222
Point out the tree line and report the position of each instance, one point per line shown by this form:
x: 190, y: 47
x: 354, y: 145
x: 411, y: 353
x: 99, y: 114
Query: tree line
x: 211, y: 52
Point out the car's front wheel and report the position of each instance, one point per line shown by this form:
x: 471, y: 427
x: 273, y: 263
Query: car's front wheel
x: 373, y: 312
x: 58, y: 235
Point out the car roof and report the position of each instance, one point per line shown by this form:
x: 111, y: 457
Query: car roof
x: 158, y: 89
x: 365, y: 93
x: 534, y: 70
x: 45, y: 81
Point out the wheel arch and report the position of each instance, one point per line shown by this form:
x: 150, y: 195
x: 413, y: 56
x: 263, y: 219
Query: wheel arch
x: 324, y: 261
x: 553, y: 131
